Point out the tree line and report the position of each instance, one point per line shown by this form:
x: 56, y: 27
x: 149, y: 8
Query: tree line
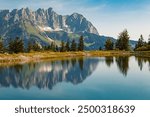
x: 122, y: 43
x: 17, y: 46
x: 142, y: 45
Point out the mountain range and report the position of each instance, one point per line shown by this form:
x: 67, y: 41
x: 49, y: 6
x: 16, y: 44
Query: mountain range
x: 46, y: 26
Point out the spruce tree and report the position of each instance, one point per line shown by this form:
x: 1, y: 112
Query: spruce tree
x: 30, y: 47
x: 36, y: 47
x: 52, y: 46
x: 67, y: 46
x: 73, y: 46
x: 16, y: 45
x: 62, y: 49
x: 109, y: 45
x: 47, y: 47
x: 56, y: 48
x: 123, y: 41
x: 100, y: 48
x: 149, y: 40
x: 1, y: 45
x: 21, y: 45
x: 140, y: 42
x: 81, y: 44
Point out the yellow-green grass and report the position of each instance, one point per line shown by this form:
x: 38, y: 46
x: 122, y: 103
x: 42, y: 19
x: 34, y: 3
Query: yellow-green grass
x: 11, y: 59
x: 142, y: 53
x: 35, y: 56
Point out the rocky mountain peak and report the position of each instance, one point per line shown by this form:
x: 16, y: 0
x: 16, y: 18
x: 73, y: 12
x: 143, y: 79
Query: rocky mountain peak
x: 38, y: 24
x: 50, y: 9
x: 77, y: 15
x: 40, y: 11
x: 48, y: 18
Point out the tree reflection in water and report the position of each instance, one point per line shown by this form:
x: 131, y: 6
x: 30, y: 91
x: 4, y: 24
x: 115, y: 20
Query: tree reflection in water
x: 109, y: 61
x: 49, y: 73
x: 123, y: 64
x: 143, y: 60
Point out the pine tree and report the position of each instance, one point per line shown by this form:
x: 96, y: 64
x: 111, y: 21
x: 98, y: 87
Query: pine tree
x: 20, y: 45
x: 73, y: 46
x: 30, y: 47
x: 52, y: 46
x: 100, y: 48
x: 62, y: 49
x: 47, y: 47
x: 81, y: 44
x: 36, y: 47
x: 123, y: 41
x: 149, y: 40
x: 140, y: 42
x: 1, y: 45
x: 56, y: 48
x: 109, y: 45
x: 67, y: 46
x: 16, y: 46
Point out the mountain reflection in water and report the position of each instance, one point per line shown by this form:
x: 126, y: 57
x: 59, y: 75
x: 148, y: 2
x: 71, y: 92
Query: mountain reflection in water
x: 47, y: 74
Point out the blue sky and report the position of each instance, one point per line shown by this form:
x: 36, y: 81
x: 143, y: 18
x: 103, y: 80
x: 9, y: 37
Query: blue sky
x: 109, y: 16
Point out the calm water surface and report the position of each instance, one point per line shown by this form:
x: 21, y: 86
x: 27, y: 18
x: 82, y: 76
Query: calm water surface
x: 101, y: 78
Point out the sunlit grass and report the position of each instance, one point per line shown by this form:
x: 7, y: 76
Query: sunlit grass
x: 20, y: 58
x: 33, y: 56
x: 49, y: 55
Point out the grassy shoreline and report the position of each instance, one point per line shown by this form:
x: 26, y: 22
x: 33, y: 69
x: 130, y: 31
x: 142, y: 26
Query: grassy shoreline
x: 142, y: 53
x: 39, y: 56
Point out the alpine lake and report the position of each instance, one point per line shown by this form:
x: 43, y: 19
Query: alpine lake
x: 84, y: 78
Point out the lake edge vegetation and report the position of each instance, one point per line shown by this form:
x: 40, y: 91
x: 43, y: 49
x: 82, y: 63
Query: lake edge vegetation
x: 16, y: 48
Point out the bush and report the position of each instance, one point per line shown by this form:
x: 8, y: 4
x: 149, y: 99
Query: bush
x: 143, y: 48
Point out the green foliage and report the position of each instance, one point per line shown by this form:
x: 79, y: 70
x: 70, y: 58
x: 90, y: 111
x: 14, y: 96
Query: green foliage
x: 140, y: 42
x: 81, y: 44
x: 123, y: 41
x: 47, y: 47
x: 16, y: 46
x: 149, y: 40
x: 73, y: 46
x: 1, y: 45
x: 36, y: 47
x: 52, y: 46
x: 67, y: 46
x: 100, y: 48
x: 141, y: 45
x: 30, y: 47
x: 143, y: 48
x: 109, y: 45
x: 56, y: 49
x: 62, y: 49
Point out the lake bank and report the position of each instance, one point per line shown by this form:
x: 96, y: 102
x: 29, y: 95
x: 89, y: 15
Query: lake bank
x: 48, y: 55
x: 142, y: 53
